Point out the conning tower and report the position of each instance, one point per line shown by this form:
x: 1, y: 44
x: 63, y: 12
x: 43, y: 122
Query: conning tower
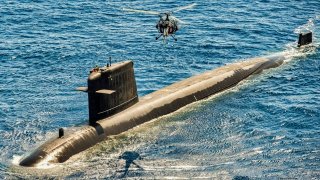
x: 111, y: 89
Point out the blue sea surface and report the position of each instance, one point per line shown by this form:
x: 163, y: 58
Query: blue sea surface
x: 267, y: 127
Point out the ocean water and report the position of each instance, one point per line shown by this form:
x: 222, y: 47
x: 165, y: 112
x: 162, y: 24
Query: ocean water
x: 267, y: 127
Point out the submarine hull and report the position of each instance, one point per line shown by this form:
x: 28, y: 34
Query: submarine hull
x: 151, y: 106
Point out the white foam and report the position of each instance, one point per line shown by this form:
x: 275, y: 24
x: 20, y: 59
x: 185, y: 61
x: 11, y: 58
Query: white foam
x: 309, y: 26
x: 291, y: 49
x: 16, y: 159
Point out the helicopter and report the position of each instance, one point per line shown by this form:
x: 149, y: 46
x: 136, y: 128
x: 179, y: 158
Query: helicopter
x: 167, y: 25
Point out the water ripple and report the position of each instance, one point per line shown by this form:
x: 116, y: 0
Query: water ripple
x: 265, y: 128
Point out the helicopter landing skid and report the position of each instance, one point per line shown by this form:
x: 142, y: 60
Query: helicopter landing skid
x: 171, y: 36
x: 158, y: 37
x: 174, y: 38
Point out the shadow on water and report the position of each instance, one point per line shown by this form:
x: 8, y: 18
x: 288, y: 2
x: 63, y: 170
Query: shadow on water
x: 241, y: 178
x: 129, y: 157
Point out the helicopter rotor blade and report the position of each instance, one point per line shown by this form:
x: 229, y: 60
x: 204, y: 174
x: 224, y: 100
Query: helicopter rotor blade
x: 185, y: 7
x: 141, y: 11
x: 179, y: 20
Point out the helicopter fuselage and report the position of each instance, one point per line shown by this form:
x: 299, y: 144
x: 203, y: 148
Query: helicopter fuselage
x: 167, y: 25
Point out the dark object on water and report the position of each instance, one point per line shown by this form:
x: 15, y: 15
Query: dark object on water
x: 112, y: 90
x: 305, y: 39
x: 130, y: 157
x: 241, y: 178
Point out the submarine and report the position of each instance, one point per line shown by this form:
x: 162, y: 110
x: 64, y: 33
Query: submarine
x: 114, y: 105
